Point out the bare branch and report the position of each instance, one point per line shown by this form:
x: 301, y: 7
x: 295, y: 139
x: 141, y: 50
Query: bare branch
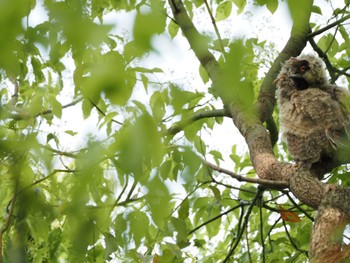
x: 44, y: 179
x: 179, y: 126
x: 245, y: 223
x: 262, y: 233
x: 336, y: 23
x: 240, y: 178
x: 21, y: 115
x: 292, y: 241
x: 215, y: 26
x: 103, y: 113
x: 324, y: 56
x: 62, y: 153
x: 214, y: 218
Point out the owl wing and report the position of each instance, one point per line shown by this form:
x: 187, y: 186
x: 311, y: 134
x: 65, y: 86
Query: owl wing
x: 325, y: 112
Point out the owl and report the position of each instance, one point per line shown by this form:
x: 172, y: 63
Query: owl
x: 313, y: 114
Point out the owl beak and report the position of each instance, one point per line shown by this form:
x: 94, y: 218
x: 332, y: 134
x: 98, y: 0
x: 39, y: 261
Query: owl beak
x: 296, y: 76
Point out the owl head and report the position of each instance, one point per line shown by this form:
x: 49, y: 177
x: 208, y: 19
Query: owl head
x: 306, y: 71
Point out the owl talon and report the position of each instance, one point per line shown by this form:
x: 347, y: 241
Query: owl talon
x: 300, y: 165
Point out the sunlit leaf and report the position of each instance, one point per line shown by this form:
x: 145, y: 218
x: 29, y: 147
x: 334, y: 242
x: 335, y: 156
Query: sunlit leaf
x: 223, y: 10
x: 240, y: 5
x: 272, y: 5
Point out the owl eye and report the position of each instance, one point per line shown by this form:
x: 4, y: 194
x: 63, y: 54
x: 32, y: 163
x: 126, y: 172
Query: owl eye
x: 302, y: 68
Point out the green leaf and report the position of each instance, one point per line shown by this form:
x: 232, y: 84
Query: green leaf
x: 111, y: 245
x: 203, y: 74
x: 157, y: 105
x: 216, y: 192
x: 37, y: 68
x: 316, y: 9
x: 147, y: 70
x: 217, y: 156
x: 86, y: 108
x: 184, y: 209
x: 236, y: 85
x: 223, y: 11
x: 173, y: 29
x: 272, y: 5
x: 56, y: 106
x: 182, y: 97
x: 176, y: 251
x: 139, y: 223
x: 50, y: 137
x: 240, y: 4
x: 145, y: 81
x: 158, y: 198
x: 142, y: 141
x: 181, y: 229
x: 148, y: 24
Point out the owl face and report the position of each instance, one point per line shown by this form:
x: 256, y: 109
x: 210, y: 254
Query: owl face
x: 306, y: 71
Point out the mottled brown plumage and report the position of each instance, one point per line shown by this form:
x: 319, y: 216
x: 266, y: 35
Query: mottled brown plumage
x: 313, y: 117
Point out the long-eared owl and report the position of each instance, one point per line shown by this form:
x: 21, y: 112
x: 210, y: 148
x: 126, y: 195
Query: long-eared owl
x: 313, y: 113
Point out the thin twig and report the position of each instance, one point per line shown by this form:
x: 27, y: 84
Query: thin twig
x: 103, y: 113
x: 324, y: 56
x: 45, y: 112
x: 21, y: 115
x: 332, y: 41
x: 292, y: 241
x: 6, y: 226
x: 61, y: 153
x: 262, y: 232
x: 179, y: 126
x: 320, y: 31
x: 215, y: 27
x: 300, y: 208
x: 245, y: 223
x: 214, y: 218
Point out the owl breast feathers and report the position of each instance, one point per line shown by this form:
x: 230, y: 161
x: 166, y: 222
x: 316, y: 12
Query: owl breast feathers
x: 313, y: 114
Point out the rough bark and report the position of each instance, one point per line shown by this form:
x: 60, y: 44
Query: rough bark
x: 332, y: 201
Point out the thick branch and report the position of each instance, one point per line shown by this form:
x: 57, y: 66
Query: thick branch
x: 326, y: 239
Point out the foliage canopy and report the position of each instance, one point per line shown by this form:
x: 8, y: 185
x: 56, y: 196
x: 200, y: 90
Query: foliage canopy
x: 141, y: 184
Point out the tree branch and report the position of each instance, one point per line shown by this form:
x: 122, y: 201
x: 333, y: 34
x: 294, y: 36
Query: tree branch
x: 336, y: 23
x: 245, y: 222
x: 103, y: 113
x: 331, y: 69
x: 292, y: 241
x: 214, y: 218
x: 215, y: 26
x: 62, y: 153
x: 240, y: 178
x: 21, y: 115
x: 179, y: 126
